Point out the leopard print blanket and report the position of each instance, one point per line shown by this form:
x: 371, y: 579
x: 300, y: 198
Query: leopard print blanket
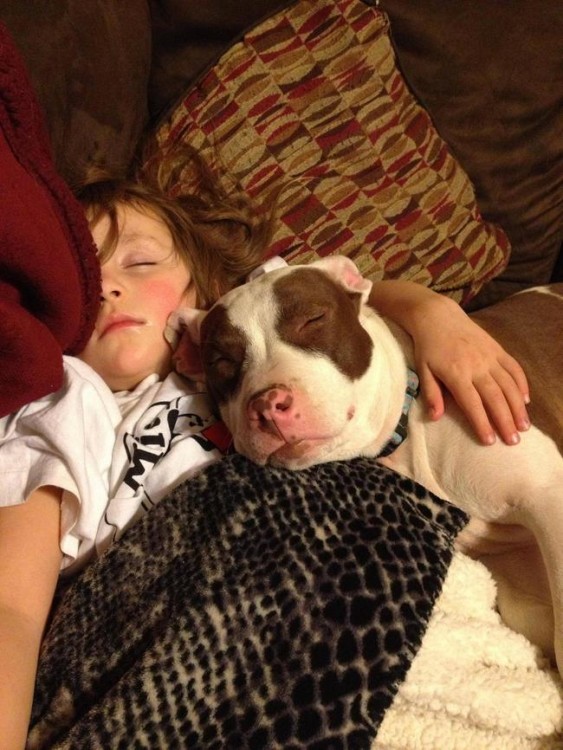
x: 252, y: 608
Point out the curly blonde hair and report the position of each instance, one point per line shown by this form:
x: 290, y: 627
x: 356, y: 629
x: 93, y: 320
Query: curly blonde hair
x: 220, y: 237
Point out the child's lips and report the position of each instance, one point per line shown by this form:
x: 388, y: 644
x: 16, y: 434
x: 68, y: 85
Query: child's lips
x: 118, y: 322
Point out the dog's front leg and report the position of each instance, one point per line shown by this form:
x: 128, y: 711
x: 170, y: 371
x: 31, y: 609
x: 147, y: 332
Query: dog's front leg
x: 544, y: 516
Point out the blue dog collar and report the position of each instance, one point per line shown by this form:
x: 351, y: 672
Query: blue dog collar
x: 401, y: 429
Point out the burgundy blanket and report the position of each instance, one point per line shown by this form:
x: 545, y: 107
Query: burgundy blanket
x: 49, y: 274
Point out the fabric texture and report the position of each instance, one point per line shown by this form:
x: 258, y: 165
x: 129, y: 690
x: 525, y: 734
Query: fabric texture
x: 474, y: 683
x: 310, y: 109
x: 187, y: 37
x: 49, y: 273
x: 491, y: 74
x: 252, y: 608
x: 89, y: 63
x: 112, y: 468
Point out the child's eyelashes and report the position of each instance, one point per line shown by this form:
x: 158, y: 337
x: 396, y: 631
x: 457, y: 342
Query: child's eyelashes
x: 149, y: 259
x: 139, y: 263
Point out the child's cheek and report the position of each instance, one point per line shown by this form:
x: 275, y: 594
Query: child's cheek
x: 162, y: 296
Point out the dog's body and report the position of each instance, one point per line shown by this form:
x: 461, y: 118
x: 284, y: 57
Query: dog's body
x: 303, y: 371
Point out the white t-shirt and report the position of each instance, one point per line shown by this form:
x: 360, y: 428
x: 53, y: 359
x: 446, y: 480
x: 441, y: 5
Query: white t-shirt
x: 114, y: 455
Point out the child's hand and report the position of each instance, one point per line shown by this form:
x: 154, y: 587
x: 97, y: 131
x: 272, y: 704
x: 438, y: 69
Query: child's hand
x: 487, y: 383
x: 452, y: 351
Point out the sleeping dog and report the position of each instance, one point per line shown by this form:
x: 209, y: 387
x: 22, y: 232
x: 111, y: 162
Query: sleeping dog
x: 303, y: 371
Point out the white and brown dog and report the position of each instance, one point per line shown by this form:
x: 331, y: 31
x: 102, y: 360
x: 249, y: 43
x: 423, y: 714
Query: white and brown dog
x: 303, y: 372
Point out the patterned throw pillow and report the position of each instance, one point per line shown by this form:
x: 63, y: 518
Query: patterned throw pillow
x: 310, y: 104
x: 497, y: 99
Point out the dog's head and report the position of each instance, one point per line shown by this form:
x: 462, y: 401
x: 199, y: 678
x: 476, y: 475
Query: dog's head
x: 286, y: 359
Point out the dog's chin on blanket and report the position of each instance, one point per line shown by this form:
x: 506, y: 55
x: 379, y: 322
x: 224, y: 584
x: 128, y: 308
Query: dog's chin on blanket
x: 298, y: 455
x: 301, y: 454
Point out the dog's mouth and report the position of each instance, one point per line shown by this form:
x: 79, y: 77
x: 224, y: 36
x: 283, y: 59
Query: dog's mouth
x: 297, y: 454
x: 296, y: 450
x: 302, y: 453
x: 293, y: 443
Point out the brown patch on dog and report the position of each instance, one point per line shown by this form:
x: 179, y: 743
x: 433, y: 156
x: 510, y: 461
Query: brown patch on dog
x: 223, y: 348
x: 320, y: 315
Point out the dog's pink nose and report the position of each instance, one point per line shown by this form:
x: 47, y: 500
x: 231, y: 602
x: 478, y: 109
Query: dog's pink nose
x: 273, y: 410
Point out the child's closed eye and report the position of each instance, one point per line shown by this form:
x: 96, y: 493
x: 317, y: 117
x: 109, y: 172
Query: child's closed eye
x: 139, y: 262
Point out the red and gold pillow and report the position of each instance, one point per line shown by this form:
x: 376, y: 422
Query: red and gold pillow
x: 491, y: 75
x: 310, y: 106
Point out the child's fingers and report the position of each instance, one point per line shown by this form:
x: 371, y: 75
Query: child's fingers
x: 504, y: 404
x: 518, y: 375
x: 431, y: 392
x: 474, y: 398
x: 470, y: 400
x: 493, y: 403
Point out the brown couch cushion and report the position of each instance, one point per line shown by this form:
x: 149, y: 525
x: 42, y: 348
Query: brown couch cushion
x: 310, y: 103
x: 491, y: 75
x: 189, y: 36
x: 89, y: 63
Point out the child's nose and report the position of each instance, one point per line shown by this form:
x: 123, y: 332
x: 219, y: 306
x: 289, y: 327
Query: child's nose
x: 104, y: 297
x: 110, y: 289
x: 112, y: 286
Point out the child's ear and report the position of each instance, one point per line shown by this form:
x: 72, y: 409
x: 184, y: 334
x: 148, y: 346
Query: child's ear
x: 183, y: 334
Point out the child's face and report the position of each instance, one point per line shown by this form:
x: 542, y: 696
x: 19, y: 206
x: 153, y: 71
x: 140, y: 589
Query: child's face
x: 142, y: 283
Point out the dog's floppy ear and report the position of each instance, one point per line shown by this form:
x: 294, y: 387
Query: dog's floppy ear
x: 345, y: 271
x: 183, y: 334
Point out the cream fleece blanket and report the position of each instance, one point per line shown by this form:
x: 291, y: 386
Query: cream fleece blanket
x: 474, y: 684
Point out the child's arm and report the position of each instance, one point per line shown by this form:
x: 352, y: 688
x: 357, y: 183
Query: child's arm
x: 450, y: 349
x: 30, y: 560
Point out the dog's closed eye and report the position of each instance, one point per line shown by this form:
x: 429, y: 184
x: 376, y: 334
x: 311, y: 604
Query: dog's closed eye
x: 312, y: 319
x: 301, y: 315
x: 317, y: 317
x: 222, y: 365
